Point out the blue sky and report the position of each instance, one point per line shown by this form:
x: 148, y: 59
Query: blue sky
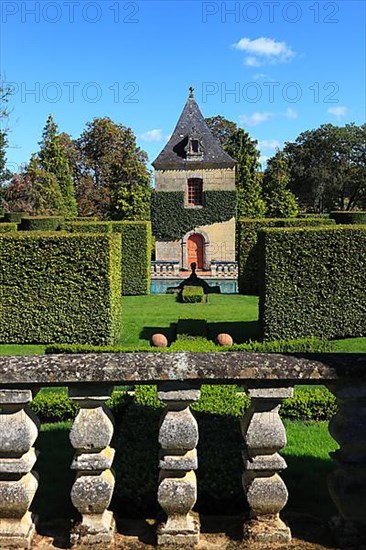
x: 276, y: 68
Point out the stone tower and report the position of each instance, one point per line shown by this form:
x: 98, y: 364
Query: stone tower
x: 194, y: 202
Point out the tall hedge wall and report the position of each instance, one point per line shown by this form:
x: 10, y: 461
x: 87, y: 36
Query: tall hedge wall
x: 356, y: 217
x: 314, y: 282
x: 171, y: 219
x: 136, y: 256
x: 58, y: 287
x: 248, y: 280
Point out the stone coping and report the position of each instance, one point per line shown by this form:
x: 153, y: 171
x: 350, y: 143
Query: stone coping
x: 247, y: 368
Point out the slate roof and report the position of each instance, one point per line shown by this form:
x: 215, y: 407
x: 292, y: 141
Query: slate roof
x: 191, y: 124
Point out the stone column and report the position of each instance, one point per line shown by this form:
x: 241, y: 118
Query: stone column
x: 264, y: 435
x: 18, y: 484
x: 177, y: 493
x: 92, y: 491
x: 347, y: 484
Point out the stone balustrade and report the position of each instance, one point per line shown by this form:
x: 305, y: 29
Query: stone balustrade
x: 268, y: 378
x: 164, y: 269
x: 224, y: 269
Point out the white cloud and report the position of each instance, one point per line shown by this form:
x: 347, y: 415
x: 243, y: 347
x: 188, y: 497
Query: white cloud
x: 291, y: 113
x: 339, y: 111
x: 269, y: 144
x: 256, y: 118
x: 262, y: 76
x: 263, y: 49
x: 153, y: 135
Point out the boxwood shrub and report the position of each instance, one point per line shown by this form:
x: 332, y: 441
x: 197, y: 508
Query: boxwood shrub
x: 192, y: 295
x: 314, y: 282
x: 8, y: 227
x: 59, y: 287
x: 349, y: 217
x: 248, y: 245
x: 136, y: 256
x: 41, y: 223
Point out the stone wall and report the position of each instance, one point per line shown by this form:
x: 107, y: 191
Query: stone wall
x: 213, y: 179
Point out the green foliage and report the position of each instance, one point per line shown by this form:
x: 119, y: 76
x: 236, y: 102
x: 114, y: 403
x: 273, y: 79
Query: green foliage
x: 239, y: 145
x: 192, y: 294
x: 280, y: 202
x: 87, y: 227
x: 136, y: 256
x: 52, y: 406
x: 41, y: 223
x: 346, y: 218
x: 60, y: 287
x: 314, y: 282
x: 248, y: 249
x: 112, y: 171
x: 171, y: 219
x: 8, y: 227
x: 311, y: 403
x: 53, y: 159
x: 328, y: 167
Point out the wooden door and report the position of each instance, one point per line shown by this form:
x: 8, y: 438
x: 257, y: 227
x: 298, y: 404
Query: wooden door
x: 195, y: 250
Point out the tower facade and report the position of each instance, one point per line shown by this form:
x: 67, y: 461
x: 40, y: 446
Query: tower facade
x: 194, y: 203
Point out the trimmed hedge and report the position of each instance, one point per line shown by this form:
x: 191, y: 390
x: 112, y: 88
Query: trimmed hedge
x: 248, y: 251
x: 136, y: 256
x: 314, y: 282
x: 14, y: 217
x: 349, y: 217
x: 41, y: 223
x: 192, y: 295
x: 59, y: 287
x: 87, y: 227
x: 8, y: 227
x: 172, y: 219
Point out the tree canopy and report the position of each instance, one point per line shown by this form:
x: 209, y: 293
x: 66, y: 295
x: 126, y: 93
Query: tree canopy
x: 280, y: 201
x: 327, y: 167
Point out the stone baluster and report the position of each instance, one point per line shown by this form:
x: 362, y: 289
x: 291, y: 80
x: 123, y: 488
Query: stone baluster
x: 18, y: 483
x: 213, y: 270
x: 177, y: 493
x: 92, y: 491
x: 170, y: 269
x: 264, y: 435
x: 176, y: 270
x: 347, y: 484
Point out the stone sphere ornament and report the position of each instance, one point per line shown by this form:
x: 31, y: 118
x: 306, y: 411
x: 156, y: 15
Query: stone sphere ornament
x: 159, y: 340
x: 224, y: 339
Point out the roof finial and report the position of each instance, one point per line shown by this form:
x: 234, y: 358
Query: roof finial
x: 191, y: 92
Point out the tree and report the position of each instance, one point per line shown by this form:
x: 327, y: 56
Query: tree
x: 34, y: 190
x: 239, y: 145
x: 328, y: 167
x: 114, y: 168
x: 53, y: 160
x: 5, y: 174
x: 280, y: 202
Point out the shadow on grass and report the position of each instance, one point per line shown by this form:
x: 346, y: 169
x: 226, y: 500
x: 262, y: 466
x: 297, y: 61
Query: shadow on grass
x: 220, y: 490
x: 240, y: 331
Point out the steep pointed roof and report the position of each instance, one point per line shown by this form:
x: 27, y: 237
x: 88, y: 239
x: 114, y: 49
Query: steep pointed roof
x: 192, y: 125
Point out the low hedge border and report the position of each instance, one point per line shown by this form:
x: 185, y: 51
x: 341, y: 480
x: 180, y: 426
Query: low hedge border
x: 87, y: 227
x: 14, y: 217
x: 308, y: 403
x: 41, y: 223
x: 351, y: 217
x: 8, y: 227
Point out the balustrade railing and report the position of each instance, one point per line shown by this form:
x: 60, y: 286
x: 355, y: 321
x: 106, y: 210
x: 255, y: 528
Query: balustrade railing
x: 268, y: 378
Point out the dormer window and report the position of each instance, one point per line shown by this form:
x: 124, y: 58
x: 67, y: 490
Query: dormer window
x: 195, y: 146
x: 194, y: 149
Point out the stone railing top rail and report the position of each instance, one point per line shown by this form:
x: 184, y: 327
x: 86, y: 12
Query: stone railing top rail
x: 153, y: 367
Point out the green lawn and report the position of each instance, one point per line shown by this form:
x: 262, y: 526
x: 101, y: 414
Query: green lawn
x: 144, y: 315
